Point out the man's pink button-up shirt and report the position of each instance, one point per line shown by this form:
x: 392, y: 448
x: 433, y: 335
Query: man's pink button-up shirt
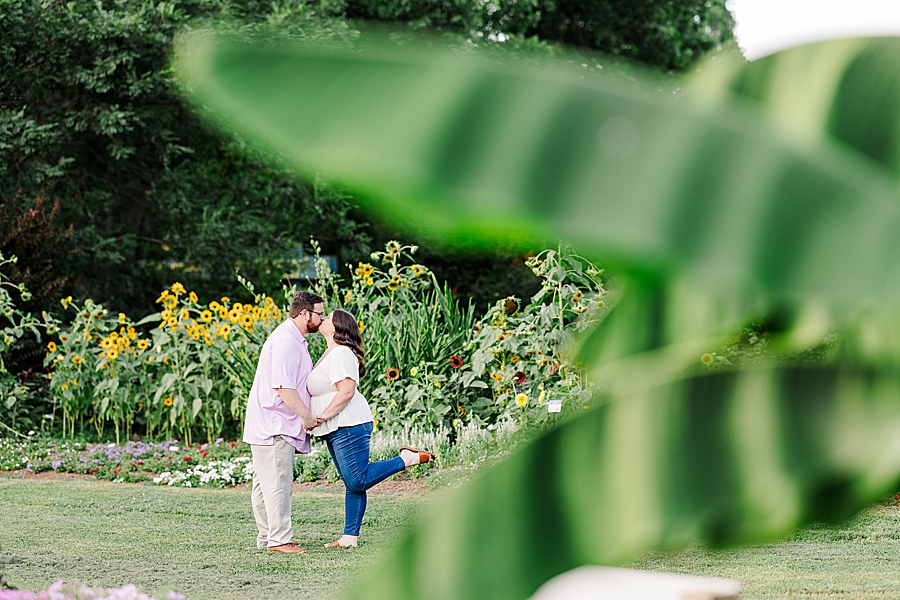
x: 284, y: 362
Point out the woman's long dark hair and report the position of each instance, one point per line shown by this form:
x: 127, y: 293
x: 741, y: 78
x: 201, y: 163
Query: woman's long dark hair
x: 346, y: 333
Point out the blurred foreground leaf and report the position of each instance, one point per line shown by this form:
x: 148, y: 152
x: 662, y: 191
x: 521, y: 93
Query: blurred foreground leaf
x: 714, y: 213
x: 474, y: 151
x: 726, y: 458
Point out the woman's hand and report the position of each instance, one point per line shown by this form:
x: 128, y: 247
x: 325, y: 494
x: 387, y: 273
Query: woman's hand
x: 346, y: 388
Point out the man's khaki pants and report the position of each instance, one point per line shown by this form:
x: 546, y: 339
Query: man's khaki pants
x: 273, y: 484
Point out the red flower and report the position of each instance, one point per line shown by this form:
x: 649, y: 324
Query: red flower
x: 232, y: 444
x: 116, y: 472
x: 393, y: 374
x: 140, y: 462
x: 456, y: 361
x: 92, y: 471
x: 186, y: 458
x: 520, y: 377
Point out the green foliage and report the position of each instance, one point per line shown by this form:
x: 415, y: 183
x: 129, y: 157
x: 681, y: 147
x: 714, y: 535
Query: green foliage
x: 432, y: 365
x: 89, y: 117
x: 670, y: 35
x: 17, y: 391
x: 436, y: 369
x: 713, y: 214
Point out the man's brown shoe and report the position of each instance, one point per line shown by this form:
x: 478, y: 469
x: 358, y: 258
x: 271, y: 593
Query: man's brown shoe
x: 289, y: 547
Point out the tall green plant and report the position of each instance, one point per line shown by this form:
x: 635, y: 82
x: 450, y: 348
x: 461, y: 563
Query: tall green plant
x: 712, y: 215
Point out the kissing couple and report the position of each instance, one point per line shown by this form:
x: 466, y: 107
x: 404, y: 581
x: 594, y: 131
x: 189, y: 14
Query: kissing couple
x: 292, y: 399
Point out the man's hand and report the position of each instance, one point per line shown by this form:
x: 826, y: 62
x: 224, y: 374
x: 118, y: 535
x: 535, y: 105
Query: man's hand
x: 295, y: 403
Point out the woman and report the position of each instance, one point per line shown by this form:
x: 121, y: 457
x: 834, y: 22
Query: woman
x: 345, y: 420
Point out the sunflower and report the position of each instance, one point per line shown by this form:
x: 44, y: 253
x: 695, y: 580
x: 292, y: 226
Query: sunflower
x: 393, y: 374
x: 514, y: 359
x: 77, y: 360
x: 51, y: 347
x: 214, y: 306
x: 234, y: 315
x: 183, y: 314
x: 105, y: 343
x: 178, y: 289
x: 521, y: 400
x: 223, y: 331
x: 498, y: 377
x: 172, y: 322
x: 170, y: 302
x: 520, y: 377
x: 456, y: 361
x: 132, y: 333
x: 112, y: 354
x: 247, y: 322
x: 393, y: 286
x: 168, y: 401
x: 193, y: 297
x: 206, y: 316
x: 576, y: 297
x: 223, y: 313
x: 143, y: 344
x: 122, y: 318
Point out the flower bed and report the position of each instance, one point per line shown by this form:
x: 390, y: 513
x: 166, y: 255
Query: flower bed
x: 186, y: 370
x: 220, y: 464
x: 225, y: 464
x: 75, y: 590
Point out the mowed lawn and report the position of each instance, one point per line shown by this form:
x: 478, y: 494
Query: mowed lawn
x: 201, y: 543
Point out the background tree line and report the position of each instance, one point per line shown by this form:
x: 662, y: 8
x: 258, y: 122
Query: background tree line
x: 111, y: 188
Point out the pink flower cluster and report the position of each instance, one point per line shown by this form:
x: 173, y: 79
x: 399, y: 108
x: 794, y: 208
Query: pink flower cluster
x: 75, y: 590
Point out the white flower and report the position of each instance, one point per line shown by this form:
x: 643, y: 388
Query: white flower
x: 31, y: 432
x: 173, y: 448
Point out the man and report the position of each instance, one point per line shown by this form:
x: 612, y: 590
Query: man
x: 277, y: 420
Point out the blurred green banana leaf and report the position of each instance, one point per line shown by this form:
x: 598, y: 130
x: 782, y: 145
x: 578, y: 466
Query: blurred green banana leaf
x: 474, y: 151
x: 714, y: 212
x: 847, y: 90
x: 731, y: 457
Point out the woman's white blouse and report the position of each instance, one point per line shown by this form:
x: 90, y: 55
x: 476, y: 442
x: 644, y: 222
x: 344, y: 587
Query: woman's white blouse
x: 337, y: 365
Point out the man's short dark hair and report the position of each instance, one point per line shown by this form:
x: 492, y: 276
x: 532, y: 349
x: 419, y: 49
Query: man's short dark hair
x: 304, y: 301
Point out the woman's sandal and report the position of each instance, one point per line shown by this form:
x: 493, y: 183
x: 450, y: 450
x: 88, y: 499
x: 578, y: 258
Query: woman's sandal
x: 424, y: 457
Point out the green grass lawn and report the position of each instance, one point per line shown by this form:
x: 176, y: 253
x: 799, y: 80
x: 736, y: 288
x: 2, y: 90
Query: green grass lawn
x: 859, y: 560
x: 202, y: 544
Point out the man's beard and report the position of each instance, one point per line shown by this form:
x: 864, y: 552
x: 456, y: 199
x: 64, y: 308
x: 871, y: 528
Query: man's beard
x: 311, y: 327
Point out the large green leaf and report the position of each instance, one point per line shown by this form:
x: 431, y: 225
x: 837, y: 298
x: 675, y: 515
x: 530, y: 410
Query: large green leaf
x: 712, y: 211
x: 476, y: 151
x: 728, y: 458
x: 848, y: 90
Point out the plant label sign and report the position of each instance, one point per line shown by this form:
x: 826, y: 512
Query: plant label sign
x: 554, y: 406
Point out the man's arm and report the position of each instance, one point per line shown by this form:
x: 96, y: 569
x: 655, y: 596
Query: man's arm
x: 295, y: 403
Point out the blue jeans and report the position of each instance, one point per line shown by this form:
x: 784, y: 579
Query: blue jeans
x: 349, y: 448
